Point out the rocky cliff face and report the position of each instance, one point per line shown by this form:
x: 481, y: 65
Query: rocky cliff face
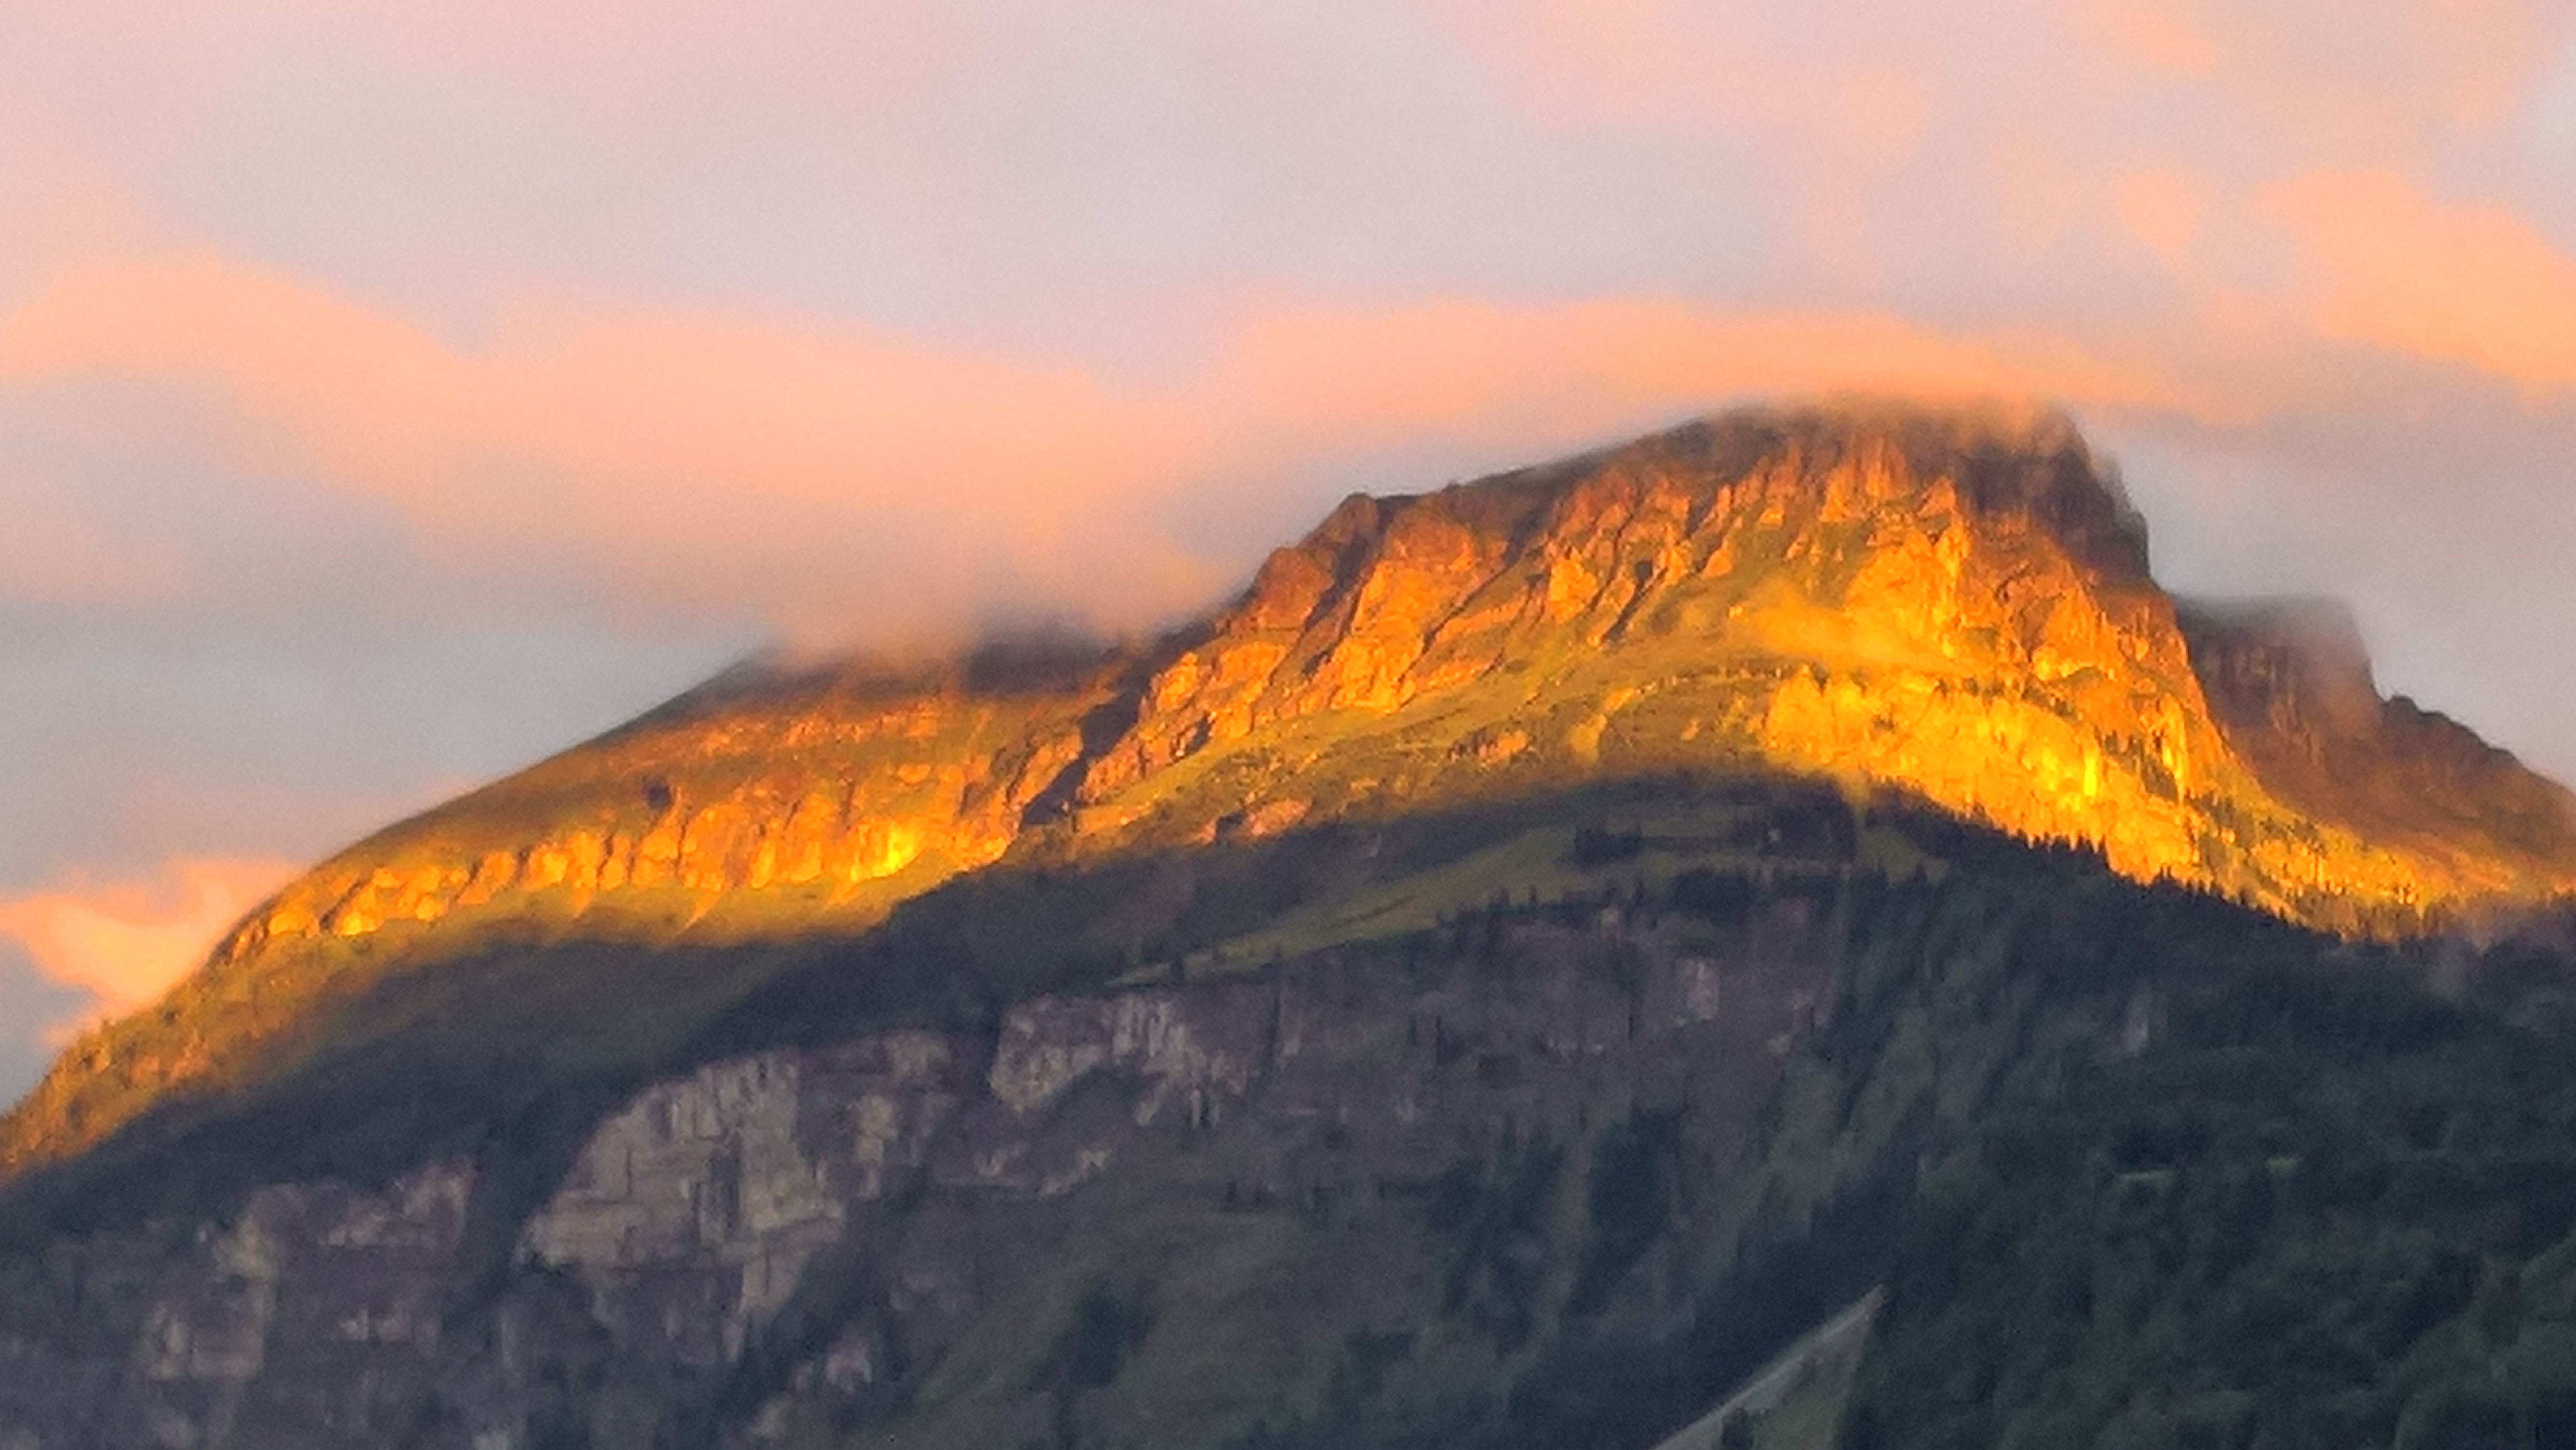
x: 1953, y: 605
x: 1957, y: 607
x: 902, y: 1233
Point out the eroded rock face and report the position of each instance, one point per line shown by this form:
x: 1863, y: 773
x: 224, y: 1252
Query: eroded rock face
x: 816, y: 1224
x: 317, y: 1316
x: 1912, y: 538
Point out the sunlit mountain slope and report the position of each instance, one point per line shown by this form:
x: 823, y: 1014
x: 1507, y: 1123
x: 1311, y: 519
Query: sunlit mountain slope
x: 1954, y: 605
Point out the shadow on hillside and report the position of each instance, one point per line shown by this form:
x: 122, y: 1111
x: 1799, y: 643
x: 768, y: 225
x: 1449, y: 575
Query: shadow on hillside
x: 511, y: 1053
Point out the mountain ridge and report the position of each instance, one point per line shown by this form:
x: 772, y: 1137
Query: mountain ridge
x: 1543, y: 947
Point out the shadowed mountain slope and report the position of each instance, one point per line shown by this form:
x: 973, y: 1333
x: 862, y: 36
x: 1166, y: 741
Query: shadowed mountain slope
x: 2290, y: 684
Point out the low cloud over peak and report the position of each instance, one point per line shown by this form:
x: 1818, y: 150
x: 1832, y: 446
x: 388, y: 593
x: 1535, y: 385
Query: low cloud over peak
x: 124, y: 943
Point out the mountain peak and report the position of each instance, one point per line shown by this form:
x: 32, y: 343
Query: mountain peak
x: 2007, y: 461
x: 1866, y: 533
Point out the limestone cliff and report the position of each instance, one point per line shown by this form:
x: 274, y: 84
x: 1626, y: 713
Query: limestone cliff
x: 1955, y: 605
x: 891, y: 1234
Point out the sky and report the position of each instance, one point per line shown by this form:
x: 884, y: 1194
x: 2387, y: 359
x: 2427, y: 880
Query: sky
x: 392, y: 394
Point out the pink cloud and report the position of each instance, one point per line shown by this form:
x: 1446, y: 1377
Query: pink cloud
x: 127, y: 942
x: 1540, y: 373
x: 817, y: 473
x: 2401, y: 270
x: 2164, y: 208
x: 671, y: 442
x: 788, y: 410
x: 2162, y: 35
x: 2346, y: 77
x: 847, y: 483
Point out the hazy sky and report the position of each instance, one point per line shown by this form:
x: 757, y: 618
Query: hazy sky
x: 392, y: 393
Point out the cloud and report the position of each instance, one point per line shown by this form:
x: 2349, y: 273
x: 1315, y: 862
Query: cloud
x: 2346, y: 76
x: 2164, y: 208
x: 667, y: 448
x: 1814, y: 80
x: 126, y: 942
x: 784, y: 411
x: 1542, y: 375
x: 2402, y: 270
x: 854, y: 484
x: 2159, y: 34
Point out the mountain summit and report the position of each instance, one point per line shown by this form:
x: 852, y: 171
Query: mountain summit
x: 1952, y: 605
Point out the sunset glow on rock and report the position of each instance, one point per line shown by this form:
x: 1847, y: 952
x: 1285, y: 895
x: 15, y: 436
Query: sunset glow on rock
x: 1951, y: 605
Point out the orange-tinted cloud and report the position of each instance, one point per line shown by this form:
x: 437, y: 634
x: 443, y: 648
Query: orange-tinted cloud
x: 822, y: 475
x: 661, y: 439
x: 2401, y: 270
x: 2163, y: 208
x: 128, y: 942
x: 2366, y: 71
x: 2163, y: 35
x: 1539, y: 373
x: 788, y: 410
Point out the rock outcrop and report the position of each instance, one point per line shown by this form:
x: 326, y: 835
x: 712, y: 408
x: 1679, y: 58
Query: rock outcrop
x: 776, y: 1248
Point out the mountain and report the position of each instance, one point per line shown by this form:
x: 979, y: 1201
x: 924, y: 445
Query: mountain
x: 1955, y: 605
x: 1555, y: 916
